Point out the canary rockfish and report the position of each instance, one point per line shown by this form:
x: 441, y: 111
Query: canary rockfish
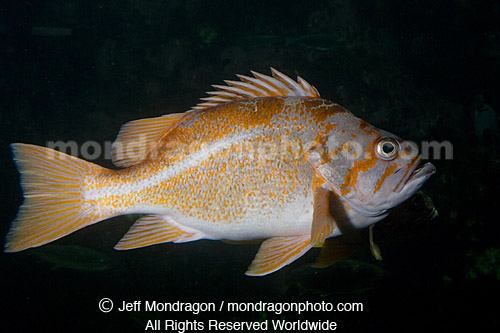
x: 261, y: 158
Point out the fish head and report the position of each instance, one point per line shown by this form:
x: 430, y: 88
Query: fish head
x: 371, y: 170
x: 387, y: 174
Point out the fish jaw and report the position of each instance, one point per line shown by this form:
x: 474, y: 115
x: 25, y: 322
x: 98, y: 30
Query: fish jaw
x: 417, y: 177
x: 408, y: 186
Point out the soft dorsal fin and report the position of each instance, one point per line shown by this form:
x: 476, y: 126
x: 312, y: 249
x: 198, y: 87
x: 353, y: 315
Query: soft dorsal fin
x: 258, y: 86
x: 136, y: 138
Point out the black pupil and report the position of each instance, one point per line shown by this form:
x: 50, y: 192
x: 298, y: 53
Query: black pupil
x: 387, y: 148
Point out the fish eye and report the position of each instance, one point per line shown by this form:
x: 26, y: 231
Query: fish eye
x: 387, y: 149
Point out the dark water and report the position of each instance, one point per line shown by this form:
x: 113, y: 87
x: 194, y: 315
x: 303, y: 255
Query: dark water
x: 426, y: 70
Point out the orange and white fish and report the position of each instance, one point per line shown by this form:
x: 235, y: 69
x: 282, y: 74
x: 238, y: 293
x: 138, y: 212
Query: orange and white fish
x: 261, y: 158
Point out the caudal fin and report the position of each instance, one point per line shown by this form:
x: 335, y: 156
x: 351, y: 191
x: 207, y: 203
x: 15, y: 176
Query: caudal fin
x: 53, y: 198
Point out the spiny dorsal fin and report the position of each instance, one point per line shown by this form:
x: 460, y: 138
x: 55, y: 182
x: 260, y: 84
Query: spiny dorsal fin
x: 136, y: 138
x: 258, y: 86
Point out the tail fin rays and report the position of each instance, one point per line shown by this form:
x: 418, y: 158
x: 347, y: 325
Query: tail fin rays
x: 53, y: 200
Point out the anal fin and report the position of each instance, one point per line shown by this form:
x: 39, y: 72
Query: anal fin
x: 276, y: 252
x: 155, y: 229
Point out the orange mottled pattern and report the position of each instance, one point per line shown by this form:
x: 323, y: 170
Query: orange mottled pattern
x: 222, y: 164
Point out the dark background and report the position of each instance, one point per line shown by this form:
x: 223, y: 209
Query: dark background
x: 426, y: 70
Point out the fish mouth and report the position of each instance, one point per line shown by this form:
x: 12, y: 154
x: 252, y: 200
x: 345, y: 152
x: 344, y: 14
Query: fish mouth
x: 417, y: 175
x: 420, y: 171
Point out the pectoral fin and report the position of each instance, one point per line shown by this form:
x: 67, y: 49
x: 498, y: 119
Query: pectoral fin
x: 323, y: 223
x: 276, y: 252
x: 319, y: 159
x: 155, y: 229
x: 332, y: 170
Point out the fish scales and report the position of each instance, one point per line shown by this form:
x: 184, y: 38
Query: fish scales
x: 233, y: 164
x: 265, y: 158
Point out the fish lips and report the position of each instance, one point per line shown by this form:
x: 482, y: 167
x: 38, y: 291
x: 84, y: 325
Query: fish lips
x: 416, y: 177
